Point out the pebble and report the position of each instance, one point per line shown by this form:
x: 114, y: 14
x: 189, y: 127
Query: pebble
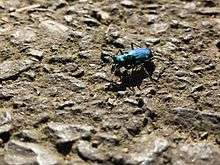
x: 107, y: 138
x: 99, y: 77
x: 198, y: 69
x: 146, y: 151
x: 11, y: 69
x: 193, y: 117
x: 127, y: 3
x: 29, y: 135
x: 71, y: 83
x: 131, y: 101
x: 36, y: 53
x: 54, y: 28
x: 152, y: 40
x: 5, y: 118
x: 65, y: 104
x: 42, y: 119
x: 101, y: 15
x: 84, y: 55
x: 23, y: 35
x: 200, y: 153
x: 91, y: 22
x: 68, y: 18
x: 159, y: 27
x: 29, y: 153
x: 197, y: 88
x: 69, y: 132
x: 150, y: 90
x: 209, y: 11
x: 119, y: 43
x: 87, y: 152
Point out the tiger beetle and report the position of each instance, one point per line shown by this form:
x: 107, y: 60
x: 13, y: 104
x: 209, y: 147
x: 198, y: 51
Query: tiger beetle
x: 132, y: 59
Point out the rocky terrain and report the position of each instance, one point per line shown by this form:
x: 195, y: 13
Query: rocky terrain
x: 60, y: 103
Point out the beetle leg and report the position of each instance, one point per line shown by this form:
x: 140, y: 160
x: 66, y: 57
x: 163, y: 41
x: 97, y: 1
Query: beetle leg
x: 148, y: 74
x: 119, y: 51
x: 133, y: 44
x: 114, y: 68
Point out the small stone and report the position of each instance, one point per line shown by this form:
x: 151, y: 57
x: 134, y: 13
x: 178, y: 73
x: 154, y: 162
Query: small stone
x: 42, y: 118
x: 101, y: 15
x: 84, y: 55
x: 78, y: 73
x: 200, y: 153
x: 198, y: 69
x: 99, y: 77
x: 29, y: 135
x: 181, y: 73
x: 167, y: 97
x: 146, y: 150
x: 66, y: 104
x: 187, y: 38
x: 151, y: 18
x: 193, y: 117
x: 68, y: 18
x: 150, y: 90
x: 198, y: 88
x: 131, y: 101
x: 108, y: 139
x: 190, y: 6
x: 23, y: 35
x: 55, y: 28
x: 160, y: 27
x: 76, y: 34
x: 36, y: 53
x: 119, y: 43
x: 29, y: 153
x: 127, y: 3
x: 64, y: 59
x: 209, y: 11
x: 5, y: 118
x: 87, y: 152
x: 90, y: 22
x: 153, y: 6
x: 60, y: 4
x: 71, y: 83
x: 11, y: 69
x: 69, y: 132
x: 5, y: 96
x: 152, y: 40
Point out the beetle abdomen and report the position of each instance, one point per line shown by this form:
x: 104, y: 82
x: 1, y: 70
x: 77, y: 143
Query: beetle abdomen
x: 141, y: 54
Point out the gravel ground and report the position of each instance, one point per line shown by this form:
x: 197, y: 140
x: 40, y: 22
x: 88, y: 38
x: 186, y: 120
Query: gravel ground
x: 60, y: 103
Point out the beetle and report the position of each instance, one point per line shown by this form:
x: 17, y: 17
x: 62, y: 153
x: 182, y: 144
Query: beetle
x: 132, y: 58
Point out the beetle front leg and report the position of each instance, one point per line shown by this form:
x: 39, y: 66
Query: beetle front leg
x: 119, y: 51
x: 132, y: 45
x: 113, y: 69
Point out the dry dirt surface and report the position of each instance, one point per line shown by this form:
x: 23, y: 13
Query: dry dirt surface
x: 60, y: 103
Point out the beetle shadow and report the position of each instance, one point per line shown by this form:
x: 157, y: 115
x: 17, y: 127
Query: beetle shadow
x: 133, y: 79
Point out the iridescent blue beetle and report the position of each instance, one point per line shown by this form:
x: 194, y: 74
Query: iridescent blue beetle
x: 132, y: 58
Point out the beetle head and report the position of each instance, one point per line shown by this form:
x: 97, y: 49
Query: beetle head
x: 151, y: 53
x: 114, y: 59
